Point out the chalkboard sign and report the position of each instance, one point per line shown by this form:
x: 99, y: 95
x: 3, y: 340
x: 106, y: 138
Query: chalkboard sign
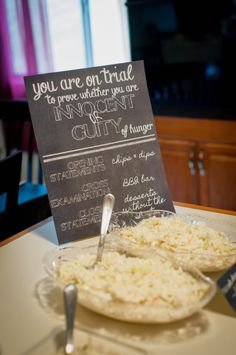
x: 227, y: 284
x: 96, y: 135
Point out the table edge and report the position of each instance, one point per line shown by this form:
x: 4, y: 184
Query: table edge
x: 25, y: 231
x: 205, y: 208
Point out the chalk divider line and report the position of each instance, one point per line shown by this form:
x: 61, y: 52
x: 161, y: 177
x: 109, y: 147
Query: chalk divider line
x: 97, y: 150
x: 96, y: 146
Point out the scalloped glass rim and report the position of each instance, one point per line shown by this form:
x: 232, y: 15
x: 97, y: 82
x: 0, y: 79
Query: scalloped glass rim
x: 207, y: 262
x: 128, y: 312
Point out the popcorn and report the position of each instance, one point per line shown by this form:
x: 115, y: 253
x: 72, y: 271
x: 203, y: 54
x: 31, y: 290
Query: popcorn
x: 196, y: 243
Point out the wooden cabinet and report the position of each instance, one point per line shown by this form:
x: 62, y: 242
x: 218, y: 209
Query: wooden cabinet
x: 217, y: 175
x: 200, y: 160
x: 178, y: 156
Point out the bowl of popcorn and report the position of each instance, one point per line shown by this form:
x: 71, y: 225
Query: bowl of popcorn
x: 131, y: 284
x: 204, y: 243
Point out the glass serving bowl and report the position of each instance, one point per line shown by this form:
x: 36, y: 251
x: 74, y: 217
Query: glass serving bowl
x: 209, y: 260
x: 106, y: 300
x: 86, y: 342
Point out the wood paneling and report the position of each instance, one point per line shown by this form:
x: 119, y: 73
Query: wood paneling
x: 200, y: 160
x: 201, y: 130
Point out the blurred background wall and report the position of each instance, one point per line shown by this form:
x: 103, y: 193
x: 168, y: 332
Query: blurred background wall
x: 189, y: 53
x: 189, y: 49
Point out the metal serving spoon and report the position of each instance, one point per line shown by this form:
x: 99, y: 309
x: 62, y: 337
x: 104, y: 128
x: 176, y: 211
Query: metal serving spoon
x: 107, y: 208
x: 70, y: 301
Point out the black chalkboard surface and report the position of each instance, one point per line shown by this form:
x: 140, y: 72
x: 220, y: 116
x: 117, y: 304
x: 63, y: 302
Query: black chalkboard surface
x: 96, y: 134
x: 227, y: 285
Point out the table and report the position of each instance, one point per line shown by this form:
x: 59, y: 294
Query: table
x: 31, y: 308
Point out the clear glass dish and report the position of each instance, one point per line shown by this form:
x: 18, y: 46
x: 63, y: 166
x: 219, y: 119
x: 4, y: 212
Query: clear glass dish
x: 206, y: 258
x: 131, y: 310
x: 86, y: 342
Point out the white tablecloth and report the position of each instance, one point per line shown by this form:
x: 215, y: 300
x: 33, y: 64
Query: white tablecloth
x: 31, y: 308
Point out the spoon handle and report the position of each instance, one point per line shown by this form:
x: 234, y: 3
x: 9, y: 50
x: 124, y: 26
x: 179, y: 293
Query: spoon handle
x: 70, y: 301
x: 107, y: 209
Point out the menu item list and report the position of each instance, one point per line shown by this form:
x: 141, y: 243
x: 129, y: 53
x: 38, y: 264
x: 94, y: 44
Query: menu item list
x: 96, y: 135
